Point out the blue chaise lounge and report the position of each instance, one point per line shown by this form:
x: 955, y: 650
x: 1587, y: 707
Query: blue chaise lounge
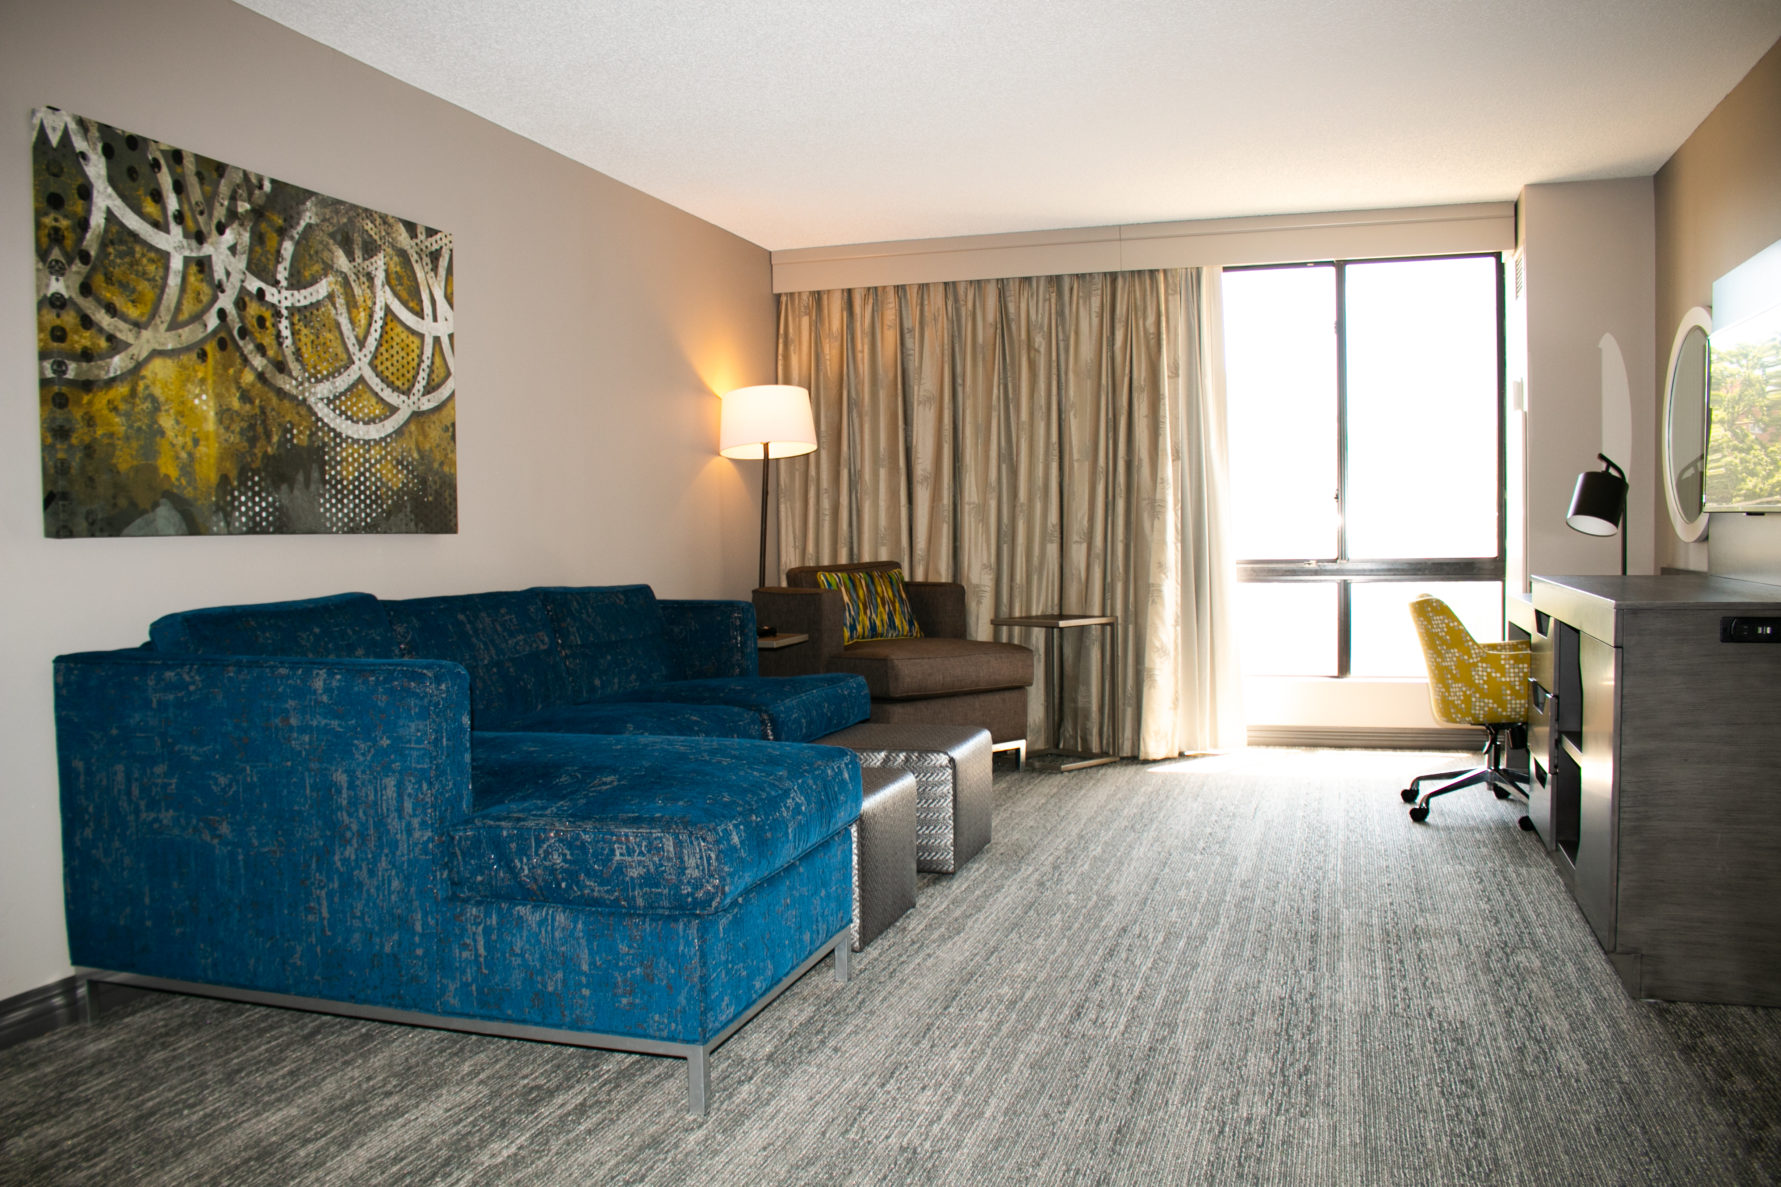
x: 574, y: 815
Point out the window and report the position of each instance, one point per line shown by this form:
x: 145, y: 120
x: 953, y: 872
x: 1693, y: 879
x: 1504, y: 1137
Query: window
x: 1365, y: 419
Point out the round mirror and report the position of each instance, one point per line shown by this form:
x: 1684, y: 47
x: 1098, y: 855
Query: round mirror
x: 1685, y: 425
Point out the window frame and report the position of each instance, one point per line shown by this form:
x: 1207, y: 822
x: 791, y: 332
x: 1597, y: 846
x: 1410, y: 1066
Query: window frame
x: 1342, y: 571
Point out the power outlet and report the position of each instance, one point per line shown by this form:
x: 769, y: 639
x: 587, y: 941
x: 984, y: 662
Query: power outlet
x: 1750, y: 630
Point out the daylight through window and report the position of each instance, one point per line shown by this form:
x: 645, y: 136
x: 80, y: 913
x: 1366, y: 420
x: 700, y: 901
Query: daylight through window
x: 1365, y: 420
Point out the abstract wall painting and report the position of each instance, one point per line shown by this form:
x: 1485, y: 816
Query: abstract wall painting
x: 221, y: 353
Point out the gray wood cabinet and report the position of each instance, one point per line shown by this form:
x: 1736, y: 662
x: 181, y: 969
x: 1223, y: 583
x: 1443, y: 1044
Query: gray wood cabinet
x: 1657, y: 755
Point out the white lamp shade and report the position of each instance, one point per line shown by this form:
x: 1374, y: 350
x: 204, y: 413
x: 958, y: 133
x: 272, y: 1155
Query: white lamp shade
x: 769, y: 420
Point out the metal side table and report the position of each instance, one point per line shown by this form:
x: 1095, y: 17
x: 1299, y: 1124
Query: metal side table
x: 1058, y: 759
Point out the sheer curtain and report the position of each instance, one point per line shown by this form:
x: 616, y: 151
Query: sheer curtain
x: 1050, y: 443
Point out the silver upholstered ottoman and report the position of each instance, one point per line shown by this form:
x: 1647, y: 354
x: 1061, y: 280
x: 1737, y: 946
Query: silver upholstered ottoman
x: 953, y: 773
x: 883, y: 852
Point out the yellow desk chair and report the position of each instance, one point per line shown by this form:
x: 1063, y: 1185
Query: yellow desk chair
x: 1471, y: 683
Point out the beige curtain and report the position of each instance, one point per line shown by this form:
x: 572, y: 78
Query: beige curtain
x: 1051, y: 443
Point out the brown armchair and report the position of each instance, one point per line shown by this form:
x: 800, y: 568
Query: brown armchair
x: 941, y: 678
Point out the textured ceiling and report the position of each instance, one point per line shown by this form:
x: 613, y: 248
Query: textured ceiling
x: 798, y: 123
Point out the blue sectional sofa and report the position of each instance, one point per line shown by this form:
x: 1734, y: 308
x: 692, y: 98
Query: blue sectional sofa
x: 570, y: 814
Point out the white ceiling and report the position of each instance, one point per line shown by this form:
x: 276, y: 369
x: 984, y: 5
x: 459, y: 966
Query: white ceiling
x: 800, y: 123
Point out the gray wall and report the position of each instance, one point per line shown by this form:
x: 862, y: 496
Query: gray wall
x: 595, y: 325
x: 1586, y: 252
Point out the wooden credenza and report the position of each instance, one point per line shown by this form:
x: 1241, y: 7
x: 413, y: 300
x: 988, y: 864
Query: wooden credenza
x: 1655, y: 750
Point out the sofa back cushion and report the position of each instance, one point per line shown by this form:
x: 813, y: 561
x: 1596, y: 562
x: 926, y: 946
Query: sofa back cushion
x: 611, y: 638
x: 503, y: 639
x: 342, y: 626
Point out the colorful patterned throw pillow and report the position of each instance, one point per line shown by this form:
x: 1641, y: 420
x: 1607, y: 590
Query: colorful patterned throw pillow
x: 874, y: 604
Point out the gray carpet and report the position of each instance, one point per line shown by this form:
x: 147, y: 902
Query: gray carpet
x: 1241, y: 970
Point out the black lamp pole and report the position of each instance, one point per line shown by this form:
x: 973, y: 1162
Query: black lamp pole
x: 766, y: 461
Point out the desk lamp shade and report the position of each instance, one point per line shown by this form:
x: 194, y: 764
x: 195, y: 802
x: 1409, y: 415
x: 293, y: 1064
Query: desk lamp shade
x: 1598, y: 505
x: 767, y: 421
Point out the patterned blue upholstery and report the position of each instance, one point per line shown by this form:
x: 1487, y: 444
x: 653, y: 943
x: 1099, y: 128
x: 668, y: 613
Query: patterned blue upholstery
x: 343, y: 626
x: 678, y: 978
x: 708, y: 639
x: 289, y: 798
x: 644, y: 824
x: 794, y: 708
x: 556, y: 658
x: 293, y: 826
x: 643, y: 717
x: 610, y: 637
x: 504, y: 640
x: 267, y: 824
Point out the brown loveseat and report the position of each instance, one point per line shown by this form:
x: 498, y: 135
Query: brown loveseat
x: 941, y: 678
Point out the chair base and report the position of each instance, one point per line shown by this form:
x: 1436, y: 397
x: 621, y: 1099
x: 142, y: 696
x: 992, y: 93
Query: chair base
x: 1498, y: 740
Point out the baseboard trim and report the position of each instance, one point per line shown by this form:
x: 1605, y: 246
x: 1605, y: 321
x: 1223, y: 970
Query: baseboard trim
x: 38, y: 1011
x: 1366, y: 737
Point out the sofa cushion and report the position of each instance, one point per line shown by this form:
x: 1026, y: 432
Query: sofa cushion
x: 503, y: 639
x: 343, y: 626
x: 709, y: 637
x: 610, y: 636
x: 639, y: 717
x: 643, y: 824
x: 874, y: 604
x: 793, y: 708
x: 901, y: 668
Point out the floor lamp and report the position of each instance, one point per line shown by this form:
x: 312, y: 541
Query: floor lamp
x: 1598, y: 505
x: 768, y: 421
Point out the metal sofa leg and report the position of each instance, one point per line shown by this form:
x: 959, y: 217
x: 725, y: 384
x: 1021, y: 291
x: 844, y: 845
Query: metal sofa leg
x: 844, y: 959
x: 698, y: 1081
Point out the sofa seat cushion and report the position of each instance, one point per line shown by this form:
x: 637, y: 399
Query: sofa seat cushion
x: 343, y: 626
x: 643, y: 824
x: 792, y: 708
x: 640, y: 717
x: 905, y: 668
x: 504, y: 641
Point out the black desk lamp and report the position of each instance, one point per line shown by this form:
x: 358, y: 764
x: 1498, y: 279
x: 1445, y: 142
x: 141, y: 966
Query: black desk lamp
x: 1598, y: 505
x: 766, y: 421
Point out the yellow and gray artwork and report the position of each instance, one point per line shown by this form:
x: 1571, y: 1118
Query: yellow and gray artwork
x: 223, y: 353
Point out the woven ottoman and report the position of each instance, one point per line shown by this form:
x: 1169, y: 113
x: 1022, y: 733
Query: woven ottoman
x: 883, y: 852
x: 952, y: 768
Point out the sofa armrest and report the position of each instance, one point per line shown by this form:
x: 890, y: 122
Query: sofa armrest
x: 265, y: 823
x: 708, y: 638
x: 813, y: 612
x: 939, y: 606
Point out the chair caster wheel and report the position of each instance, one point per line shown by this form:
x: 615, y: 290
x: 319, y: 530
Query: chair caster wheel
x: 1419, y: 813
x: 1501, y: 794
x: 1526, y: 823
x: 1408, y: 795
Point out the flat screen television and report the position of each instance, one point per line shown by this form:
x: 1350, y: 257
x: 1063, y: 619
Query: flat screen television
x: 1743, y: 467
